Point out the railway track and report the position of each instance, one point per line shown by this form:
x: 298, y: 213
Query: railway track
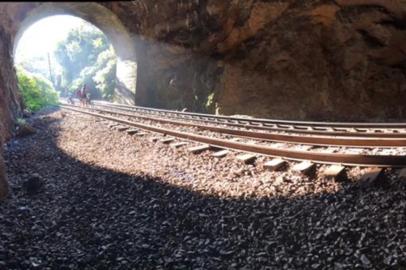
x: 323, y: 140
x: 378, y: 130
x: 260, y: 140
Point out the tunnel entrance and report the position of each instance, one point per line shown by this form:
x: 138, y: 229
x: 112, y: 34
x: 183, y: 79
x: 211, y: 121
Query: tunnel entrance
x: 108, y: 23
x: 65, y: 52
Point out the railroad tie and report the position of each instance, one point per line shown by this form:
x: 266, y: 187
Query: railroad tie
x: 306, y: 147
x: 220, y: 154
x: 256, y: 123
x: 372, y: 174
x: 319, y: 128
x: 247, y: 158
x: 177, y: 145
x: 113, y: 125
x: 167, y: 140
x: 374, y: 177
x: 132, y: 131
x: 340, y: 129
x: 122, y: 128
x: 371, y: 177
x: 334, y: 171
x: 154, y: 139
x: 244, y: 122
x: 199, y: 148
x: 300, y: 127
x: 305, y: 167
x: 275, y: 164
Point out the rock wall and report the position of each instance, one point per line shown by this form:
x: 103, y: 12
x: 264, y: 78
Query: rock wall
x: 310, y: 60
x: 318, y: 60
x: 9, y: 97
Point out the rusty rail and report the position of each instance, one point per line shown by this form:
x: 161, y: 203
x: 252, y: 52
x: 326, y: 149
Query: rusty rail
x: 327, y: 158
x: 268, y: 121
x: 322, y: 131
x: 285, y: 138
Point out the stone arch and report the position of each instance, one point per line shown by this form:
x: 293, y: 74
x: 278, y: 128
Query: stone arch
x: 109, y: 24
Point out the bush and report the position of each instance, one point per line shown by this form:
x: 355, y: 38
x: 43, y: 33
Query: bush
x: 87, y: 57
x: 37, y: 91
x: 105, y: 76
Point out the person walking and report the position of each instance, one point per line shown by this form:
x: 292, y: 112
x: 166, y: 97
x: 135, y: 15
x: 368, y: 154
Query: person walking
x: 86, y: 95
x: 82, y: 95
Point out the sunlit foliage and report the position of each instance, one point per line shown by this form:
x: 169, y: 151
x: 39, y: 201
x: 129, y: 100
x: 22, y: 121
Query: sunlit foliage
x: 105, y: 77
x: 37, y: 91
x: 36, y: 65
x: 86, y: 56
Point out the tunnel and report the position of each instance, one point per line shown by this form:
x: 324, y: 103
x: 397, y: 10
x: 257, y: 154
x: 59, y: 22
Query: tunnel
x: 289, y: 60
x: 110, y: 25
x: 243, y: 134
x: 333, y: 61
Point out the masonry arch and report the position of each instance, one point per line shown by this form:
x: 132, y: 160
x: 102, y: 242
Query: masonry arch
x: 110, y: 25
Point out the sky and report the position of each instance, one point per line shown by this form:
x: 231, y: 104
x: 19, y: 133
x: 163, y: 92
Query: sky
x: 42, y: 36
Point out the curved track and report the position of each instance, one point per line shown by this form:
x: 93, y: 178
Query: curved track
x: 377, y: 130
x: 264, y: 121
x: 286, y: 138
x: 313, y: 156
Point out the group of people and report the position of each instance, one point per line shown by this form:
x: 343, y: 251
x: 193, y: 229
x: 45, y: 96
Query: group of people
x: 83, y: 94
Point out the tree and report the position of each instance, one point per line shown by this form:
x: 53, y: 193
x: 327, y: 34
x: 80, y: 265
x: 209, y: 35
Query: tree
x: 37, y: 65
x: 105, y: 78
x: 86, y: 56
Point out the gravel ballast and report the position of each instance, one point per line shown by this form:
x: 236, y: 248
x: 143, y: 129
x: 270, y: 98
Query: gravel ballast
x: 86, y: 196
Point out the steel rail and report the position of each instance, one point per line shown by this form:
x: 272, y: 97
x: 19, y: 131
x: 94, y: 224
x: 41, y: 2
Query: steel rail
x: 298, y: 130
x: 285, y: 138
x: 325, y: 158
x: 273, y: 121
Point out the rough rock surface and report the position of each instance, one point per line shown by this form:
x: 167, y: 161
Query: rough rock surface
x: 314, y: 60
x: 9, y: 96
x: 115, y: 201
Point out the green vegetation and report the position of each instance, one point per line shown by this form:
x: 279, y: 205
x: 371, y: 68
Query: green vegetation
x: 37, y: 91
x: 86, y: 56
x: 21, y: 121
x: 210, y: 101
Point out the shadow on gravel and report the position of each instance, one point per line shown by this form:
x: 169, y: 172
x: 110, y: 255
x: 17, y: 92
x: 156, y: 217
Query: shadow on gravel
x: 86, y: 217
